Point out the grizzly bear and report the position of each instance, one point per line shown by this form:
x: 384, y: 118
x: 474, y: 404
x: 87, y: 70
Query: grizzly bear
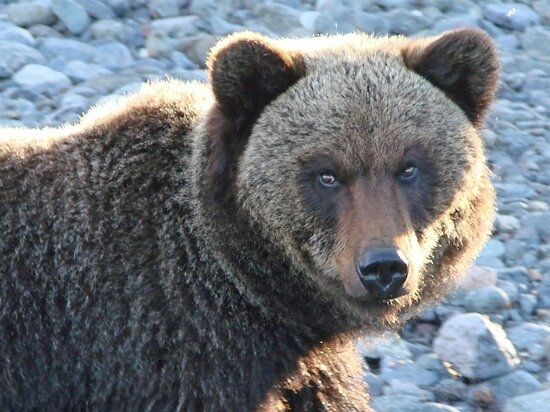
x: 219, y: 246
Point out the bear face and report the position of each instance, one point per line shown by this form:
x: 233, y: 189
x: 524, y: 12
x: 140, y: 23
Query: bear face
x: 361, y: 159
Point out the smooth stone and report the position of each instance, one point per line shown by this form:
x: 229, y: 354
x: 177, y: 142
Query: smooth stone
x: 514, y: 384
x: 97, y: 9
x: 42, y: 79
x: 15, y: 56
x: 479, y: 277
x: 490, y: 299
x: 17, y: 35
x: 399, y: 387
x: 450, y: 390
x: 30, y: 13
x: 516, y: 16
x: 165, y: 8
x: 107, y: 29
x: 65, y: 50
x: 478, y: 348
x: 79, y: 71
x: 534, y: 402
x: 528, y: 304
x: 278, y: 17
x: 527, y: 335
x: 72, y: 14
x: 113, y: 55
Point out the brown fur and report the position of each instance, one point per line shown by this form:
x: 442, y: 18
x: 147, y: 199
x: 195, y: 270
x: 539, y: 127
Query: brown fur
x: 172, y: 252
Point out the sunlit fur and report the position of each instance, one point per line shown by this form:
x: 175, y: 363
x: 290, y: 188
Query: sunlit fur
x: 167, y: 252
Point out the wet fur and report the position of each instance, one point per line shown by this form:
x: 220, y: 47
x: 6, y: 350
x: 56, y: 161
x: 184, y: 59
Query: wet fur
x: 163, y: 254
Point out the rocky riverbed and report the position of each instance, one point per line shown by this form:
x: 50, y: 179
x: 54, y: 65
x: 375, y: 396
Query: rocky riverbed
x: 487, y: 347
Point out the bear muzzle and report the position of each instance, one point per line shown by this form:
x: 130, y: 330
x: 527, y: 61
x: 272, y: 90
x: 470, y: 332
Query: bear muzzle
x: 383, y: 272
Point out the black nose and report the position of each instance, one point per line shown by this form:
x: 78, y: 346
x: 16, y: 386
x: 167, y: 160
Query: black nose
x: 383, y: 271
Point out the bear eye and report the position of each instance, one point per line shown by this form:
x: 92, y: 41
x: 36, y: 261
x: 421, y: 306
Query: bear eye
x: 408, y: 174
x: 328, y: 179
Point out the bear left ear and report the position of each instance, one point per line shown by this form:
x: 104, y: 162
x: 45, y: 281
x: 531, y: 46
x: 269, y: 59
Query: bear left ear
x: 463, y: 63
x: 247, y: 71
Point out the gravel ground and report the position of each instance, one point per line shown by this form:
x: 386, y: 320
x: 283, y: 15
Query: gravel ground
x: 487, y: 347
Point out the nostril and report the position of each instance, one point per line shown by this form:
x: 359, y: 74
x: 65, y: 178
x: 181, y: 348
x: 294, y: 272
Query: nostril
x: 382, y: 272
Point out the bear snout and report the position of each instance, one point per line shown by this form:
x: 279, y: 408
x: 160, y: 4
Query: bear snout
x: 383, y: 272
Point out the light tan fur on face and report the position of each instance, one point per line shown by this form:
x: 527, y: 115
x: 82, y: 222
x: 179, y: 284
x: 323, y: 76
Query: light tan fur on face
x: 375, y: 216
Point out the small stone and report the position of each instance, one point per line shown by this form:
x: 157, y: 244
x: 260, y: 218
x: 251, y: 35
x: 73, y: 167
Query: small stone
x: 510, y: 289
x: 406, y: 22
x: 278, y: 17
x: 407, y: 371
x: 17, y: 35
x: 534, y: 402
x: 107, y: 29
x: 528, y: 304
x: 506, y: 223
x: 371, y: 23
x: 339, y: 20
x: 479, y: 277
x: 113, y: 55
x: 490, y: 299
x: 398, y: 387
x: 516, y: 16
x: 97, y: 9
x: 65, y: 50
x: 79, y: 71
x: 167, y: 35
x: 72, y: 14
x: 494, y: 248
x: 42, y: 79
x: 165, y: 8
x: 375, y: 384
x: 29, y: 13
x: 526, y: 335
x: 514, y: 384
x: 307, y: 19
x: 15, y: 56
x: 450, y: 390
x: 478, y: 348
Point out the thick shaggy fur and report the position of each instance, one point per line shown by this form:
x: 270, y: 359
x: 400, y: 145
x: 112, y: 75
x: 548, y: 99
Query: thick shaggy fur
x: 170, y: 251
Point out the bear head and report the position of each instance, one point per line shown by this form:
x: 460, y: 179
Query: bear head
x: 359, y: 157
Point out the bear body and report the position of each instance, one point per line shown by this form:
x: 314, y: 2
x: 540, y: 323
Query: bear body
x: 201, y: 247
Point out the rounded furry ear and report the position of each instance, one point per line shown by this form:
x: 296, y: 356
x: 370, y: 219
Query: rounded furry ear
x: 463, y: 63
x: 247, y: 71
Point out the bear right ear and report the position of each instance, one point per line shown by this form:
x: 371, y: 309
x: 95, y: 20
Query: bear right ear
x: 247, y: 71
x: 463, y: 63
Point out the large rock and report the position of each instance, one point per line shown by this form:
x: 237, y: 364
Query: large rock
x: 42, y: 79
x: 73, y: 15
x: 15, y: 56
x: 478, y: 348
x: 516, y: 16
x: 534, y: 402
x: 29, y: 13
